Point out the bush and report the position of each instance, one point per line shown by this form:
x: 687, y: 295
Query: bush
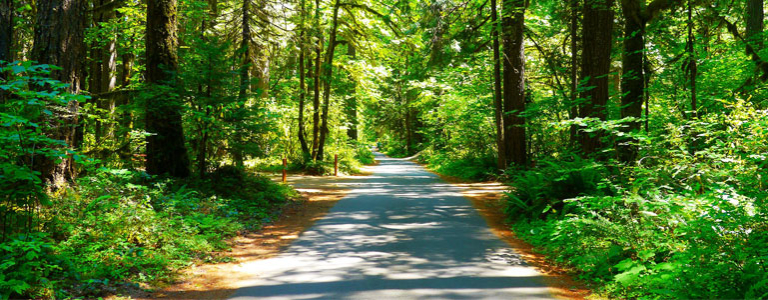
x: 120, y: 226
x: 542, y: 190
x: 658, y: 246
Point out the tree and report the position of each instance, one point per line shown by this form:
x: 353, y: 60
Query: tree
x: 302, y: 77
x: 755, y: 16
x: 59, y: 41
x: 633, y: 80
x: 498, y: 101
x: 166, y: 151
x: 512, y: 27
x: 6, y: 29
x: 595, y: 66
x: 327, y: 77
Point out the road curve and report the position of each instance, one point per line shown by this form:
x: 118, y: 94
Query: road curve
x: 402, y: 233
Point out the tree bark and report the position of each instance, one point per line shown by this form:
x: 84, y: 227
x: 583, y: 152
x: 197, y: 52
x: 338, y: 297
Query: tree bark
x: 245, y: 48
x: 595, y: 66
x: 633, y: 77
x: 302, y: 78
x: 316, y: 86
x: 6, y: 30
x: 166, y: 150
x: 573, y: 111
x: 103, y: 77
x: 691, y: 64
x: 498, y: 101
x: 513, y: 12
x: 755, y: 16
x: 59, y: 40
x: 327, y: 78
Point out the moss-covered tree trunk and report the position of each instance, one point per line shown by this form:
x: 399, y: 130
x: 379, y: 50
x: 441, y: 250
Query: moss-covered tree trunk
x: 59, y: 40
x: 166, y: 151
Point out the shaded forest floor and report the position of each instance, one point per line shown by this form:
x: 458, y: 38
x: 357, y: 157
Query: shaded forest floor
x: 219, y: 281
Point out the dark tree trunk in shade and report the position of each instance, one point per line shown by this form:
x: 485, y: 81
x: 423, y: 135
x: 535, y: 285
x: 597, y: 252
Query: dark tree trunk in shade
x: 245, y: 76
x: 327, y: 77
x: 59, y: 40
x: 633, y: 77
x: 6, y: 30
x: 302, y: 79
x: 755, y: 16
x: 498, y: 101
x: 573, y: 111
x: 316, y: 84
x: 595, y: 66
x: 166, y: 151
x: 513, y: 12
x: 245, y: 48
x: 691, y: 64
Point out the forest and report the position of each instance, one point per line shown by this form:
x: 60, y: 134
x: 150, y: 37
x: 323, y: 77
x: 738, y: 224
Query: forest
x: 631, y: 133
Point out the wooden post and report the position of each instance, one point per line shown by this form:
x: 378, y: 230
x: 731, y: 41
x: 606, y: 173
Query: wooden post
x: 285, y: 170
x: 335, y: 165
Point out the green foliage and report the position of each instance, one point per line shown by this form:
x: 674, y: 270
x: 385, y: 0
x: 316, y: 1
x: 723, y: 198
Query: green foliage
x: 541, y: 191
x: 687, y: 222
x: 466, y: 166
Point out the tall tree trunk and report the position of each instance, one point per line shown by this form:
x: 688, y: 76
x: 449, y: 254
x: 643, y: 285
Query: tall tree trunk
x: 351, y: 103
x: 103, y: 71
x: 6, y: 37
x: 513, y: 20
x: 573, y: 111
x: 316, y: 86
x: 633, y: 77
x: 166, y: 151
x: 498, y: 101
x: 6, y: 29
x: 302, y: 78
x: 59, y: 40
x: 691, y: 65
x: 245, y: 48
x: 245, y: 75
x: 755, y: 16
x: 595, y: 66
x: 327, y: 78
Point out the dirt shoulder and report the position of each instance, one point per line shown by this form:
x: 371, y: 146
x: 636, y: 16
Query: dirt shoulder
x: 219, y: 281
x: 487, y: 198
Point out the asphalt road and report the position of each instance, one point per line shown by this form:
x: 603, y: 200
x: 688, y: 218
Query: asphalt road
x: 402, y: 233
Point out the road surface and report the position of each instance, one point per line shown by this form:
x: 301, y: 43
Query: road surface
x: 402, y: 233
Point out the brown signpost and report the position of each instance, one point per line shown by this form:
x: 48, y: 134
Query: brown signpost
x: 285, y: 170
x: 335, y: 165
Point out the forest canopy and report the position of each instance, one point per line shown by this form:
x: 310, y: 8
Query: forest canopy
x: 632, y: 133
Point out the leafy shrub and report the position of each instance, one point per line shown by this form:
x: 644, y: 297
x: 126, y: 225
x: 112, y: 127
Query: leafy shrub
x: 542, y: 190
x: 465, y: 166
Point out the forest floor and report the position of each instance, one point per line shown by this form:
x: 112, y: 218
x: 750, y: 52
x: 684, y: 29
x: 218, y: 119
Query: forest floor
x: 221, y: 280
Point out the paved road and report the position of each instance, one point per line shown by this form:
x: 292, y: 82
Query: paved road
x: 401, y: 233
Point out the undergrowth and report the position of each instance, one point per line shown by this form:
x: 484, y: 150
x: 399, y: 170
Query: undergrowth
x: 119, y: 228
x: 689, y: 221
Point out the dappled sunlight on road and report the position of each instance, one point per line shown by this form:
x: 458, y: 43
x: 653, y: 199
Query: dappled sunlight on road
x: 404, y: 234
